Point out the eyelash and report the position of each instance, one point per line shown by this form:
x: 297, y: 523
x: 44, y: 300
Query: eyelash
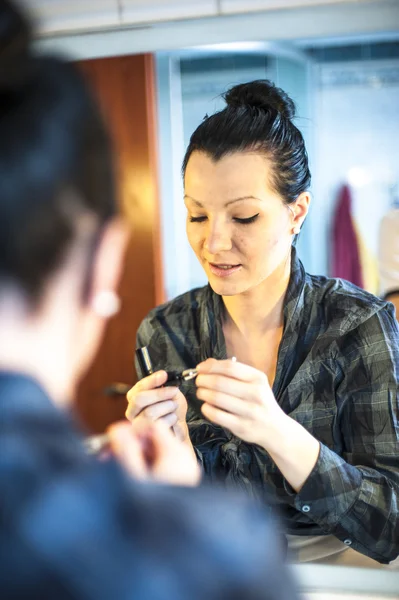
x: 247, y: 221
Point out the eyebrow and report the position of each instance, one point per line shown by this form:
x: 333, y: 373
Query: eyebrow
x: 197, y: 203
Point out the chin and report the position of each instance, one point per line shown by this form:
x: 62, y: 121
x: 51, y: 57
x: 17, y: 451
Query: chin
x: 227, y: 288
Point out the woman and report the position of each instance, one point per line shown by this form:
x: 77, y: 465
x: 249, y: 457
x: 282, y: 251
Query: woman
x: 72, y: 526
x: 307, y: 417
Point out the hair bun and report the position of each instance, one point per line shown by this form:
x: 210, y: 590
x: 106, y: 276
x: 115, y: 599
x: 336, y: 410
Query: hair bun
x: 262, y: 94
x: 15, y: 39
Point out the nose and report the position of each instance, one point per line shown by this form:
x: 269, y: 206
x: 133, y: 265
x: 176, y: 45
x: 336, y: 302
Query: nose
x: 218, y: 237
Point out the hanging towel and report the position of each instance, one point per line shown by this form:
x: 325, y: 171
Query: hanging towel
x: 345, y: 251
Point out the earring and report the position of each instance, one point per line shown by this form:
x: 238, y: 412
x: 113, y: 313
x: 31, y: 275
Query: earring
x: 296, y: 230
x: 106, y: 304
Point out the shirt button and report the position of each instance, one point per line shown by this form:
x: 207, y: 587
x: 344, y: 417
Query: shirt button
x: 348, y: 542
x: 305, y: 508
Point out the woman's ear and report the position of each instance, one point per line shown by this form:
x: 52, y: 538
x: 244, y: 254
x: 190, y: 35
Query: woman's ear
x: 107, y: 268
x: 299, y: 210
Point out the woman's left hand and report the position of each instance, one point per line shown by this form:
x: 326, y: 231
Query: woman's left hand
x: 239, y: 398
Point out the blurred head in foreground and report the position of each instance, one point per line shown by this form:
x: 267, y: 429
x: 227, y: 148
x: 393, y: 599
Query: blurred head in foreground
x: 61, y: 243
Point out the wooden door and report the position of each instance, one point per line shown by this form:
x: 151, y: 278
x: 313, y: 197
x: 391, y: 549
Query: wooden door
x: 125, y: 87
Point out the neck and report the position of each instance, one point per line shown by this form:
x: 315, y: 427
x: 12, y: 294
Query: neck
x: 260, y: 309
x: 36, y: 346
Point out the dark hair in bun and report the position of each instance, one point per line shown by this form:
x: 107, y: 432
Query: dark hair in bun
x: 263, y: 95
x: 55, y: 158
x: 257, y: 117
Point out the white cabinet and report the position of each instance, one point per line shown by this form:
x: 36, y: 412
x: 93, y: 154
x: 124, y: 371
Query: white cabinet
x: 152, y: 11
x: 245, y: 6
x: 60, y: 15
x: 73, y: 15
x: 70, y: 16
x: 56, y: 16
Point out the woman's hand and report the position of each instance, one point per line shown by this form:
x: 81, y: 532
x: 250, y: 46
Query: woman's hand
x: 150, y: 451
x: 147, y: 400
x: 239, y: 398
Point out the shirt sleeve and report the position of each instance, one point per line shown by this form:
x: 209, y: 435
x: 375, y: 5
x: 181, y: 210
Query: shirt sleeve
x: 355, y: 496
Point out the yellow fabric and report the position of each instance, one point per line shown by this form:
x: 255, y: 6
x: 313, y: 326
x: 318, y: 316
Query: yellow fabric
x: 368, y: 263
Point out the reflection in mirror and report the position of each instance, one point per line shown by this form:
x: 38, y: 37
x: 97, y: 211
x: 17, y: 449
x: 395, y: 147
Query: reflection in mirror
x: 335, y: 348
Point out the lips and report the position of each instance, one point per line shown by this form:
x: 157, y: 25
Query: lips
x: 223, y: 270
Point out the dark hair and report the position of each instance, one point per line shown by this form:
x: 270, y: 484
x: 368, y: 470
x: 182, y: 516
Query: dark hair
x: 55, y: 158
x: 258, y: 116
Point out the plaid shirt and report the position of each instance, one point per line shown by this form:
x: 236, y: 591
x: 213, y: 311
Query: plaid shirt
x: 72, y: 527
x: 337, y: 375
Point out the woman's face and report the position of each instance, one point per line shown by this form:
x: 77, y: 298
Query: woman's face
x: 237, y: 225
